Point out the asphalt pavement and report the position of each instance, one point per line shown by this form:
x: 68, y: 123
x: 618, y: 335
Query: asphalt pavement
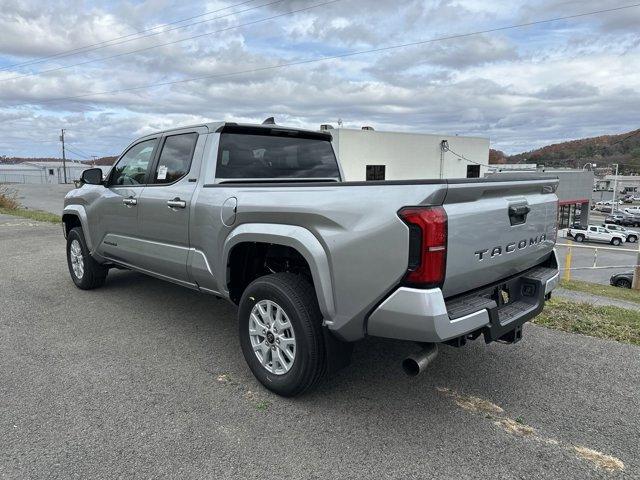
x: 46, y: 197
x: 142, y: 378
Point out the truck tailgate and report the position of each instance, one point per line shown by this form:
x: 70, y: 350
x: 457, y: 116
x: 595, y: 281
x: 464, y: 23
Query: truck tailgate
x: 497, y: 229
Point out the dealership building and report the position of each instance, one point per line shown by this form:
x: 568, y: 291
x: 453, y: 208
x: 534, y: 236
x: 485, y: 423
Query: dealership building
x: 574, y: 190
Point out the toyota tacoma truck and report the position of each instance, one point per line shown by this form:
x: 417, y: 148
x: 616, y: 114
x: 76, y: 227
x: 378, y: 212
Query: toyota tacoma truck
x: 260, y: 215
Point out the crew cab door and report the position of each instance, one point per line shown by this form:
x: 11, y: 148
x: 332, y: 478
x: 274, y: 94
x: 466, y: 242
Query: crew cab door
x: 165, y: 206
x: 114, y: 215
x: 598, y: 234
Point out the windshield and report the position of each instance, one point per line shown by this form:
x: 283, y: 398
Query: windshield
x: 267, y: 156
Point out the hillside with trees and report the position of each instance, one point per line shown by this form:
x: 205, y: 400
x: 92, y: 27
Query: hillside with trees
x: 623, y: 149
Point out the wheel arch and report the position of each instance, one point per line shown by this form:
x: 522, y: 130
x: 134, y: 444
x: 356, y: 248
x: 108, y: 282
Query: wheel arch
x: 297, y: 238
x: 76, y: 216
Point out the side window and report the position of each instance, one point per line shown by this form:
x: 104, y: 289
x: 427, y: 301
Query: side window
x: 593, y: 229
x: 132, y: 167
x: 175, y: 158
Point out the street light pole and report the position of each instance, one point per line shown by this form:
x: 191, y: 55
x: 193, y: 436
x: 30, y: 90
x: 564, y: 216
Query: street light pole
x: 636, y: 274
x: 615, y: 189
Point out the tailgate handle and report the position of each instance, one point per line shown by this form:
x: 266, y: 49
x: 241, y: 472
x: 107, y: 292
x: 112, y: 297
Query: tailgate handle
x: 518, y: 214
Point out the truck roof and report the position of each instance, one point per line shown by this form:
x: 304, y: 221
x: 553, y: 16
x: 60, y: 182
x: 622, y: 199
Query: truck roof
x: 216, y: 126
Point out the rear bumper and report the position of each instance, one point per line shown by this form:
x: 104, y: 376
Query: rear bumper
x: 424, y: 315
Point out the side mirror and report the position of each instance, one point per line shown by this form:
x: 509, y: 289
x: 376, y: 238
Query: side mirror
x: 92, y: 176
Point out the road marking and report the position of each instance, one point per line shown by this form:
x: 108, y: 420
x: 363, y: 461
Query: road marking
x: 615, y: 249
x: 477, y: 405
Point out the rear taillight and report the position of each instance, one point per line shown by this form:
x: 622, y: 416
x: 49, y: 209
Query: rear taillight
x: 427, y: 245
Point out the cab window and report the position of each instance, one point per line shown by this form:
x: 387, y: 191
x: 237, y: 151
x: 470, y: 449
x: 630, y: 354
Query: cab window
x: 175, y: 158
x: 132, y: 167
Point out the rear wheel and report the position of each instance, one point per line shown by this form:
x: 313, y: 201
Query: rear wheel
x: 85, y: 272
x: 280, y: 328
x: 616, y: 242
x: 579, y: 238
x: 622, y: 283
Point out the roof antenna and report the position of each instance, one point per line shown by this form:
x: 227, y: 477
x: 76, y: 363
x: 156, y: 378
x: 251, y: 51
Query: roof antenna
x: 269, y: 121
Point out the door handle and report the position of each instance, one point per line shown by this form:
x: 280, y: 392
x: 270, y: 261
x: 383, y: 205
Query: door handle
x: 130, y: 202
x: 176, y: 203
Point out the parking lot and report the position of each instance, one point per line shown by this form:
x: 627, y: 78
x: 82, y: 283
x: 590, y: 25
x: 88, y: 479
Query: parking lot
x: 622, y: 258
x: 142, y: 378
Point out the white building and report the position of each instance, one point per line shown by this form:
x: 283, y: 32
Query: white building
x: 371, y: 155
x: 42, y: 172
x: 626, y: 183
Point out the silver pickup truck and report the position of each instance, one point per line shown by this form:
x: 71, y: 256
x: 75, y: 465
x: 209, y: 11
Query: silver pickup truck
x: 260, y: 215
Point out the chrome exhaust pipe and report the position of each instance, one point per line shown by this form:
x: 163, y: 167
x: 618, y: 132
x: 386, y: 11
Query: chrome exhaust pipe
x: 417, y: 363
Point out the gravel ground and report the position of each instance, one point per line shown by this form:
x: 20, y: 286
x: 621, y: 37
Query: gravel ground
x: 145, y: 379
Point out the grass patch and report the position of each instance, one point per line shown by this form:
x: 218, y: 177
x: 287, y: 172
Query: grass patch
x: 614, y: 323
x: 38, y: 215
x: 627, y: 294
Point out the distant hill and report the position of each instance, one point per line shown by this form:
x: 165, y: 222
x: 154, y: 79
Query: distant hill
x: 623, y: 149
x: 16, y: 160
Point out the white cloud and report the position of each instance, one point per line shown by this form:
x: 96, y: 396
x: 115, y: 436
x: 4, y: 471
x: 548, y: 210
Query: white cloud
x: 522, y: 88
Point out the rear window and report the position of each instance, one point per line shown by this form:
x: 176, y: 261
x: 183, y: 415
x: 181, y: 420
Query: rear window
x: 269, y: 156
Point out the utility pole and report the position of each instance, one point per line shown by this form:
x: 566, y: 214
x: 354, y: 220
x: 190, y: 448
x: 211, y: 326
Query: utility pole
x: 95, y: 158
x: 64, y: 158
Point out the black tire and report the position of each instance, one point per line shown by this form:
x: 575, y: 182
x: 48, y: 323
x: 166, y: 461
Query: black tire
x: 632, y: 239
x: 94, y: 274
x: 579, y: 238
x: 623, y: 283
x: 296, y: 296
x: 616, y: 242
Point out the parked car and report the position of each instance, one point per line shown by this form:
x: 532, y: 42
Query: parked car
x: 623, y: 280
x: 627, y: 199
x: 615, y: 218
x: 594, y: 233
x: 631, y: 235
x: 632, y: 210
x: 259, y: 215
x: 624, y: 219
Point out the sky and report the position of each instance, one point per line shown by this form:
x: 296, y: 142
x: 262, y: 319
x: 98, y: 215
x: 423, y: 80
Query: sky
x: 89, y: 67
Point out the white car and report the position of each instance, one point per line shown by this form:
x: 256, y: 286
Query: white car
x: 593, y: 233
x: 633, y: 210
x: 631, y: 235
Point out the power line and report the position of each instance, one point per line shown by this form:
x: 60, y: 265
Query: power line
x: 104, y: 43
x: 339, y: 56
x: 462, y: 157
x: 637, y: 132
x: 63, y: 67
x: 75, y: 152
x: 83, y: 153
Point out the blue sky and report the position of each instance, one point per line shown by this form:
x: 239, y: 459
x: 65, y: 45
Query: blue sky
x: 522, y: 88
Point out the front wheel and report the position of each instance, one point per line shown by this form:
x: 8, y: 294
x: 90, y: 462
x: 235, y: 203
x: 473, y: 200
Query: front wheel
x: 632, y: 239
x: 280, y: 328
x: 85, y: 272
x: 616, y: 242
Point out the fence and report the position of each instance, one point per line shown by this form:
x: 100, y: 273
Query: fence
x: 568, y: 261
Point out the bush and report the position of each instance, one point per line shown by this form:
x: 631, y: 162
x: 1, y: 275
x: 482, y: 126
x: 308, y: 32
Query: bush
x: 8, y: 198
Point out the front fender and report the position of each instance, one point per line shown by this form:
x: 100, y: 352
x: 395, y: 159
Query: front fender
x: 80, y: 212
x: 295, y: 237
